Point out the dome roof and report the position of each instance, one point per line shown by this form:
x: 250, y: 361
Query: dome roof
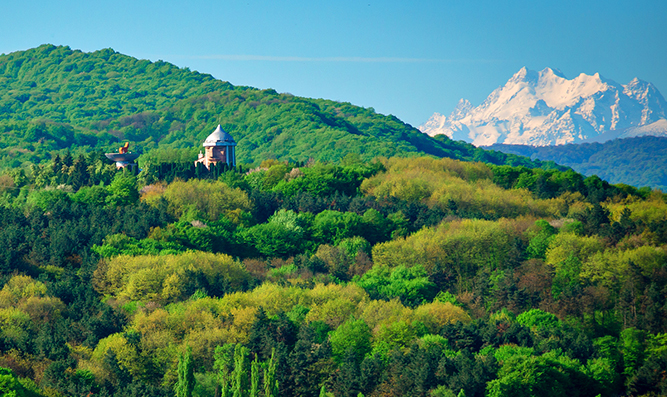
x: 219, y: 138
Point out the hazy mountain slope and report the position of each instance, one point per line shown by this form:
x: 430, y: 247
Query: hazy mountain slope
x: 545, y: 108
x: 53, y: 98
x: 634, y: 161
x: 658, y: 128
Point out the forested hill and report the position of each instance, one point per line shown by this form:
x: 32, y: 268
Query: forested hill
x: 410, y: 277
x: 638, y: 161
x: 415, y: 277
x: 56, y: 99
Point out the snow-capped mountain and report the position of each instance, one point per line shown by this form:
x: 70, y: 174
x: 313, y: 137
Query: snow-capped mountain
x: 545, y: 108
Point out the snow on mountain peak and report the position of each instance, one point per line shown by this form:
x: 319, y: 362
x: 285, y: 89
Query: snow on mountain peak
x: 554, y: 72
x: 637, y: 87
x: 524, y: 75
x: 545, y: 108
x: 462, y: 108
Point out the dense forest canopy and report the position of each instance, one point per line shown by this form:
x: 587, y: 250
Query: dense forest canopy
x: 55, y: 99
x: 404, y: 275
x: 397, y: 277
x: 637, y: 161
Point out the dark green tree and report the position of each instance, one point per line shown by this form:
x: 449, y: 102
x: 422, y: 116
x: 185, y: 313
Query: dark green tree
x: 79, y: 176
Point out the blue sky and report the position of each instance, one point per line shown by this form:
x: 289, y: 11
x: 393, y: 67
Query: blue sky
x: 405, y: 58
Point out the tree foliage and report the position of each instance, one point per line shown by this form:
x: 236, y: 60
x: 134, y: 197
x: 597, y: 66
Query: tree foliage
x: 396, y: 276
x: 54, y: 98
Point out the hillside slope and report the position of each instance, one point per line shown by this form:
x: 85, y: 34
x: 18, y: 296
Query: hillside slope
x: 54, y: 98
x: 634, y: 161
x: 399, y: 267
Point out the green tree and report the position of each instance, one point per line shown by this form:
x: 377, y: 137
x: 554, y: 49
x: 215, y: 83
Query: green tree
x: 410, y: 284
x: 186, y: 376
x: 540, y: 237
x: 122, y: 190
x: 240, y: 383
x: 282, y: 236
x: 442, y: 391
x: 95, y: 196
x: 11, y: 387
x: 224, y: 364
x: 45, y: 199
x: 270, y: 382
x: 330, y: 227
x: 79, y: 176
x: 254, y: 378
x: 205, y: 200
x: 352, y: 336
x: 632, y: 343
x: 354, y: 245
x: 536, y: 318
x: 546, y: 375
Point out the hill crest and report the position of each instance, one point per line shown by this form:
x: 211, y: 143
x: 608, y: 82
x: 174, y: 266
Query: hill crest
x: 55, y: 99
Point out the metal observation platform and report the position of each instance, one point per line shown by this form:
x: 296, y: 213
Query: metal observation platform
x: 123, y: 158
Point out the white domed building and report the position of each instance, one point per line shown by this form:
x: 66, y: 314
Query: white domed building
x: 219, y: 148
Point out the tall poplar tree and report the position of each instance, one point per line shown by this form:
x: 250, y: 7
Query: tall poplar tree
x: 224, y: 363
x: 240, y: 374
x: 254, y: 378
x: 186, y: 375
x: 270, y: 382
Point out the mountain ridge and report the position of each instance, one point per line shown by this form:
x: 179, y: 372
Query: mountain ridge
x: 545, y: 108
